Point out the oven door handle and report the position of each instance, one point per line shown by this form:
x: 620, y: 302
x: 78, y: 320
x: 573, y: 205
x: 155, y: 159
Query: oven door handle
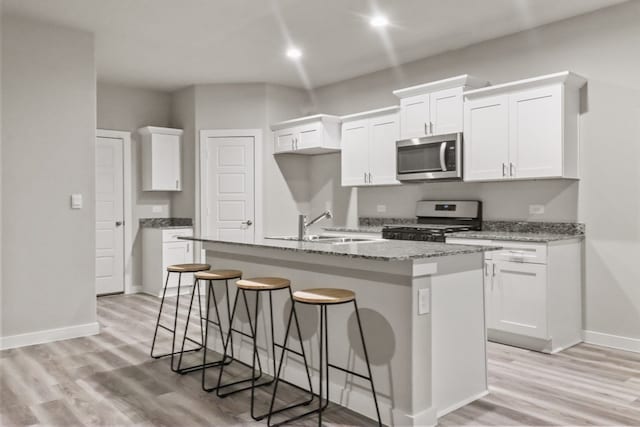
x: 443, y: 163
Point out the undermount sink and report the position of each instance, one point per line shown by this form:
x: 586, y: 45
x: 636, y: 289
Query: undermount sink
x: 334, y: 240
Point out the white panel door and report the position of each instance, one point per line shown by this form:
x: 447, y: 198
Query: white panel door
x: 166, y: 162
x: 109, y: 216
x: 486, y: 138
x: 535, y: 129
x: 384, y: 132
x: 354, y: 155
x: 230, y: 188
x: 414, y: 116
x: 520, y: 298
x: 446, y: 111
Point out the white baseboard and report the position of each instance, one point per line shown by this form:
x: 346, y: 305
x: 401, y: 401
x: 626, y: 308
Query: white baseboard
x: 613, y: 341
x: 49, y: 335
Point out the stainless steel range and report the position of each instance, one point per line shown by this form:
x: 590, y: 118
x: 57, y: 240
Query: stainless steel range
x: 437, y: 218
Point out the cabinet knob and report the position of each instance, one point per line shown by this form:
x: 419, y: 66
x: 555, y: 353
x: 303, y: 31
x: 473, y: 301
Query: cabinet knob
x: 119, y: 223
x: 247, y: 222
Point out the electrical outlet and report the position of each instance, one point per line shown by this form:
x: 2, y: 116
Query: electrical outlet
x: 424, y: 301
x: 536, y: 209
x: 381, y: 208
x: 156, y: 209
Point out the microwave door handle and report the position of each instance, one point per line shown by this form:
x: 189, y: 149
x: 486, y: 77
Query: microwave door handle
x: 443, y: 163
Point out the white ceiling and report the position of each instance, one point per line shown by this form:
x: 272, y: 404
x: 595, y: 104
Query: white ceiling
x: 168, y: 44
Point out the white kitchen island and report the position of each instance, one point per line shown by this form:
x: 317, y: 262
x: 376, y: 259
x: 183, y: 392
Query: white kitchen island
x: 422, y: 307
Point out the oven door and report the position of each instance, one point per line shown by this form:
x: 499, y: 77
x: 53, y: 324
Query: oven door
x: 436, y: 157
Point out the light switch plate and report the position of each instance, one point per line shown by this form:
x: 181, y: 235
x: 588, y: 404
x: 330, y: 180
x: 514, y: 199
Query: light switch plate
x: 76, y: 201
x: 536, y: 209
x: 156, y: 209
x: 424, y: 301
x: 381, y: 208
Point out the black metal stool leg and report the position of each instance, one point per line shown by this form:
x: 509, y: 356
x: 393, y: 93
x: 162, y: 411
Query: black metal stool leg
x: 253, y: 378
x: 366, y: 357
x: 186, y: 328
x: 155, y: 334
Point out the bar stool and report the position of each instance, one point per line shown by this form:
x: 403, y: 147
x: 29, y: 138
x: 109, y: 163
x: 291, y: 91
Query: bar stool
x: 324, y: 297
x: 208, y: 276
x: 180, y: 269
x: 259, y: 285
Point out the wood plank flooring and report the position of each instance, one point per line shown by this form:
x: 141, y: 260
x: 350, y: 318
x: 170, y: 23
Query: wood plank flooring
x: 109, y: 380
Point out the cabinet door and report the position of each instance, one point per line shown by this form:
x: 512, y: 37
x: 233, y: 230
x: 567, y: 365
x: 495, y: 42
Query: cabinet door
x: 535, y: 128
x: 414, y: 116
x: 521, y: 298
x: 491, y: 302
x: 486, y: 138
x: 177, y: 253
x: 309, y: 136
x: 284, y: 139
x: 354, y: 155
x: 446, y: 111
x: 166, y: 162
x: 384, y: 132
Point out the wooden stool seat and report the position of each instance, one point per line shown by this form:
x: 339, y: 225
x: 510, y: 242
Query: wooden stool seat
x: 324, y: 296
x: 263, y: 283
x: 188, y: 268
x: 218, y: 274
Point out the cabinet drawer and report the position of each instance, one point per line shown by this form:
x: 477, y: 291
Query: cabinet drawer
x: 534, y: 253
x: 172, y: 235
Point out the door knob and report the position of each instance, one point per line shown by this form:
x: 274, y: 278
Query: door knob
x: 247, y: 222
x: 119, y: 223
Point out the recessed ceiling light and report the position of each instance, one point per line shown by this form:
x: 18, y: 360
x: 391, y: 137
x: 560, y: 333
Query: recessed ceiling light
x: 294, y: 53
x: 379, y: 21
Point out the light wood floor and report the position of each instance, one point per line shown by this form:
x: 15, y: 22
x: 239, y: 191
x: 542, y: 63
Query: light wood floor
x: 109, y: 379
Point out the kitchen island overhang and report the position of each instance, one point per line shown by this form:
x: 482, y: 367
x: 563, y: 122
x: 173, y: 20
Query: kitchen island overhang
x: 422, y: 306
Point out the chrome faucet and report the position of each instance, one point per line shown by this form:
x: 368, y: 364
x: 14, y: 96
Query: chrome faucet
x: 303, y: 225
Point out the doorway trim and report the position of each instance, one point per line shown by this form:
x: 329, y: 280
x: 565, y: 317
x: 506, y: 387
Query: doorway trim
x: 127, y: 205
x: 256, y: 134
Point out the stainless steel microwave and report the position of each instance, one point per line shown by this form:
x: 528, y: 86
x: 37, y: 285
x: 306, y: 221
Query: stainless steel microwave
x: 430, y: 158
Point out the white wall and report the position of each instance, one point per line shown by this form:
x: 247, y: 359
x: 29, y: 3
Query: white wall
x: 48, y: 102
x: 604, y: 47
x: 128, y: 108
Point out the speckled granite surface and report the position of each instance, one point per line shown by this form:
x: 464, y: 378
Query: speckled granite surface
x: 379, y: 250
x: 514, y: 236
x: 569, y: 228
x: 525, y: 231
x: 363, y: 229
x: 380, y: 221
x: 166, y: 222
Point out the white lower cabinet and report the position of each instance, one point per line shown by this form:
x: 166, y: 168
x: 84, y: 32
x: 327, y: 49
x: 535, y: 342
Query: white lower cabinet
x: 516, y: 295
x: 533, y: 293
x: 160, y: 249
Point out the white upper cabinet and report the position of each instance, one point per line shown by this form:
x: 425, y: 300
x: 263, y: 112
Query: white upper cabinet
x: 523, y: 130
x: 487, y: 120
x: 318, y: 134
x: 161, y: 159
x: 369, y: 147
x: 434, y: 108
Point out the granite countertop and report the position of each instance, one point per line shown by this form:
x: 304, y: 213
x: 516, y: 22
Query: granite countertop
x: 166, y: 223
x: 360, y: 229
x: 525, y: 231
x: 379, y: 250
x: 514, y: 236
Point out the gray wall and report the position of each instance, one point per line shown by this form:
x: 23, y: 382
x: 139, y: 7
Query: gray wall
x: 603, y: 46
x: 48, y: 102
x: 245, y: 106
x: 128, y: 108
